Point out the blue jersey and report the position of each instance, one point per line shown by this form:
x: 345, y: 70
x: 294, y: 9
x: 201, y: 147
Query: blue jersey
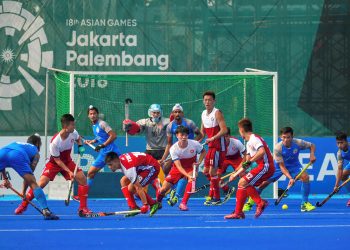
x: 290, y: 156
x: 341, y: 156
x: 26, y: 149
x: 101, y: 130
x: 171, y: 128
x: 18, y: 156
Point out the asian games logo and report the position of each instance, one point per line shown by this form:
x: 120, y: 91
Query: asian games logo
x: 22, y: 55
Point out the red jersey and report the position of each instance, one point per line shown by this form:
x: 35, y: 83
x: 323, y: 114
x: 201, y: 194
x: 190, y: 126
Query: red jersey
x: 211, y: 128
x: 62, y: 148
x: 134, y: 163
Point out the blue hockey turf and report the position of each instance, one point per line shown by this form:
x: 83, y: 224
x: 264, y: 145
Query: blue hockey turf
x: 200, y: 228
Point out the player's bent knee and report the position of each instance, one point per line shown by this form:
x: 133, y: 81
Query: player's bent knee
x: 242, y: 182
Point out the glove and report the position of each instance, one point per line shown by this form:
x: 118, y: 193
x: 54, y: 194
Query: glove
x: 127, y: 126
x: 246, y: 164
x: 81, y: 150
x: 144, y: 209
x: 98, y: 147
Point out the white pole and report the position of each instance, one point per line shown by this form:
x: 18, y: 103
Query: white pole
x: 46, y: 110
x: 275, y: 123
x: 71, y: 93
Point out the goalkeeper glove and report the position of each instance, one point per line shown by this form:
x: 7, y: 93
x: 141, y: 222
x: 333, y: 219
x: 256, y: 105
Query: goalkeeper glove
x: 246, y: 164
x: 144, y: 209
x: 99, y: 147
x: 81, y: 150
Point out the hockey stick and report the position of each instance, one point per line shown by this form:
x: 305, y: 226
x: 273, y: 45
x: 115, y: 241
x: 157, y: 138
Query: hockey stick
x: 24, y: 198
x: 320, y: 204
x: 103, y: 214
x: 126, y: 110
x: 289, y: 186
x: 208, y: 184
x: 71, y: 182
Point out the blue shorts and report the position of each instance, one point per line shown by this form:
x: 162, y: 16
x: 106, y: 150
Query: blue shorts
x: 278, y: 173
x: 347, y: 166
x: 16, y: 160
x: 100, y: 160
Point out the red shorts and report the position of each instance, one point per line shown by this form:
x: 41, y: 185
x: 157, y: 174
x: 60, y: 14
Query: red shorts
x: 52, y: 169
x: 146, y: 176
x: 260, y: 174
x: 234, y: 163
x: 175, y: 175
x: 214, y: 158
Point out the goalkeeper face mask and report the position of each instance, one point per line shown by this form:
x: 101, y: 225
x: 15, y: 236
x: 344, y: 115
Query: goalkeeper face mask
x: 155, y: 112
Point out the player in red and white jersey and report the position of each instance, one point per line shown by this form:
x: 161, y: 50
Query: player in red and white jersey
x: 61, y: 162
x: 139, y: 170
x: 184, y: 156
x: 214, y: 126
x: 235, y: 153
x: 257, y: 151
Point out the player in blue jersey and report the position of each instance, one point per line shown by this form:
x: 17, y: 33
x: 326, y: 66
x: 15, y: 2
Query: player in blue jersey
x: 104, y: 138
x: 286, y: 156
x: 343, y: 154
x: 194, y: 133
x: 23, y: 158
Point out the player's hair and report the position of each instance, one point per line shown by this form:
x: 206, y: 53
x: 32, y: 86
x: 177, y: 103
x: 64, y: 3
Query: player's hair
x: 182, y: 129
x: 111, y: 156
x: 246, y: 124
x: 228, y: 131
x: 286, y: 130
x: 211, y: 93
x: 91, y: 107
x: 341, y: 136
x: 66, y: 119
x: 35, y: 140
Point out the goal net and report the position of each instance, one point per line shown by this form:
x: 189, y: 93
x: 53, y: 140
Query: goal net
x: 238, y: 95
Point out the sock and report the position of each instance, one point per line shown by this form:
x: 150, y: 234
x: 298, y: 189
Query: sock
x: 83, y: 191
x: 305, y: 191
x: 129, y: 197
x: 211, y: 193
x: 225, y: 188
x: 29, y: 197
x: 216, y: 189
x: 254, y: 194
x: 180, y: 188
x: 187, y: 194
x: 40, y: 197
x: 160, y: 196
x: 241, y: 196
x: 207, y: 176
x: 89, y: 182
x: 156, y: 184
x: 150, y: 201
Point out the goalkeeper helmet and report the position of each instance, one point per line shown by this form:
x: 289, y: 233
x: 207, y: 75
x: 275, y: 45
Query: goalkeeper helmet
x: 155, y: 108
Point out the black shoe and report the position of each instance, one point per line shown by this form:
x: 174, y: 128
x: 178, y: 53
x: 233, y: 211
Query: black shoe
x: 48, y: 215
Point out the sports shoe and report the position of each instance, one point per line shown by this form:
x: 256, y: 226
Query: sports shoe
x: 260, y: 208
x: 207, y: 202
x: 183, y: 207
x: 216, y: 202
x: 348, y: 204
x: 21, y: 208
x: 208, y: 198
x: 84, y: 211
x: 48, y: 215
x: 307, y: 207
x: 172, y: 194
x: 235, y: 216
x: 248, y: 205
x: 172, y: 201
x: 155, y: 208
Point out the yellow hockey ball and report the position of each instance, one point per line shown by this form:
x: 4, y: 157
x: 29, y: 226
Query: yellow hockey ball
x: 285, y: 207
